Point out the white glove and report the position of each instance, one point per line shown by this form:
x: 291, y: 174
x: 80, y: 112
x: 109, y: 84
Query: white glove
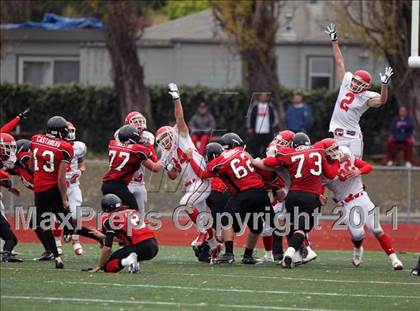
x: 388, y: 74
x: 168, y: 167
x: 332, y: 32
x: 173, y: 91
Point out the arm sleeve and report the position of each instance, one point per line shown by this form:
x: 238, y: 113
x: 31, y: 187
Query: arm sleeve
x: 8, y: 127
x: 199, y: 171
x: 275, y: 124
x: 109, y: 233
x: 330, y: 170
x: 249, y: 117
x: 5, y: 179
x: 272, y: 162
x: 364, y: 167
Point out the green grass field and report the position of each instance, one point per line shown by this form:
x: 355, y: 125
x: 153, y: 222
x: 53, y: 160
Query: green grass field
x: 175, y: 281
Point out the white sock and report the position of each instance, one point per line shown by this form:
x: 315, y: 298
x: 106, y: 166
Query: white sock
x: 268, y: 253
x: 393, y: 257
x: 290, y: 251
x: 75, y: 238
x: 58, y: 241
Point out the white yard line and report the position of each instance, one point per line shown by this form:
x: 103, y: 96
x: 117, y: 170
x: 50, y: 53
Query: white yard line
x: 234, y: 290
x: 159, y: 303
x: 51, y: 269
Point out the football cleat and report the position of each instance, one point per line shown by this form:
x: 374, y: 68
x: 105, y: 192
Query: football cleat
x: 397, y: 264
x: 133, y: 264
x: 357, y: 256
x: 77, y: 247
x: 268, y: 257
x: 199, y: 240
x: 287, y: 262
x: 59, y: 264
x: 45, y: 256
x: 249, y: 260
x: 8, y: 257
x: 225, y: 258
x: 298, y: 257
x: 311, y: 255
x: 67, y: 238
x: 278, y: 257
x: 416, y: 270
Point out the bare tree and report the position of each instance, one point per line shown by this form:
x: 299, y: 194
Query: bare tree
x: 252, y: 26
x: 124, y: 27
x: 385, y: 27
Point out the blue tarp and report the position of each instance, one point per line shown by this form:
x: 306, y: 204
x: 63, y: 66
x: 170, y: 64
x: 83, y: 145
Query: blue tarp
x: 53, y: 21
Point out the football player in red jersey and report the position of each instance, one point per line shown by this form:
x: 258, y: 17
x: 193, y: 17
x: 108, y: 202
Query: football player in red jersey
x: 9, y: 127
x: 125, y: 158
x: 234, y: 168
x: 117, y: 222
x: 51, y: 155
x: 7, y: 149
x: 306, y: 166
x: 137, y: 185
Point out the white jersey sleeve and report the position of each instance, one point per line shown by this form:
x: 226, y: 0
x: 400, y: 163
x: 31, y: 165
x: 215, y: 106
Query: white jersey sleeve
x: 80, y: 151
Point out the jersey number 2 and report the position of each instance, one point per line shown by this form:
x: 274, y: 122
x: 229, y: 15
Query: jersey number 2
x: 347, y: 101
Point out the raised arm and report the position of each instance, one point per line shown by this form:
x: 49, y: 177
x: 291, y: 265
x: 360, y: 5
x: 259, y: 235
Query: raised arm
x: 339, y: 59
x: 179, y: 112
x: 382, y: 99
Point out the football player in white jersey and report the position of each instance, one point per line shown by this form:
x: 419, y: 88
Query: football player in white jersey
x: 349, y: 193
x: 137, y: 186
x: 76, y: 168
x: 353, y: 100
x: 174, y: 143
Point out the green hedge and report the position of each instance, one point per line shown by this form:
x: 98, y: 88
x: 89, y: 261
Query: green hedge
x: 95, y: 112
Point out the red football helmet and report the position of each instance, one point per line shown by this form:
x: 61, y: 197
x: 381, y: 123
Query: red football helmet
x: 7, y: 146
x: 164, y: 137
x: 331, y: 148
x: 361, y: 81
x: 71, y: 135
x: 284, y: 138
x: 137, y: 120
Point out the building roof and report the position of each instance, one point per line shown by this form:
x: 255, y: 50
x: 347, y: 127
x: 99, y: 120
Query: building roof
x: 300, y: 22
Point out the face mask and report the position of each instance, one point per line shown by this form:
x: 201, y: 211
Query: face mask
x: 10, y: 162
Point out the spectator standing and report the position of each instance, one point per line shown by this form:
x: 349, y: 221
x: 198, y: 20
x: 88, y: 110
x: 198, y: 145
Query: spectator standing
x: 402, y: 127
x: 298, y: 114
x: 262, y: 123
x: 201, y: 126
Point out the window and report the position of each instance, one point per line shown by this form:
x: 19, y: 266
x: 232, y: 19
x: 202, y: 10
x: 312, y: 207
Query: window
x: 42, y: 71
x: 320, y: 72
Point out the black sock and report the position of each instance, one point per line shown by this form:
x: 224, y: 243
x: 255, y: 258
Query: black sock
x: 277, y: 243
x: 40, y: 234
x: 50, y: 240
x: 248, y: 252
x: 229, y: 247
x: 296, y: 240
x: 357, y: 244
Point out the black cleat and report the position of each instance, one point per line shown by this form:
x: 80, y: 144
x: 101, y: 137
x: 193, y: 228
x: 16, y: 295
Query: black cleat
x: 416, y: 270
x: 8, y: 257
x: 59, y: 264
x: 225, y: 258
x: 278, y: 257
x: 46, y: 256
x: 249, y: 260
x: 287, y: 262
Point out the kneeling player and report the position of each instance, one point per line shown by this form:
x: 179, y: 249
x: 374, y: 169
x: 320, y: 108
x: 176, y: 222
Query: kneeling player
x: 349, y: 193
x: 117, y: 222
